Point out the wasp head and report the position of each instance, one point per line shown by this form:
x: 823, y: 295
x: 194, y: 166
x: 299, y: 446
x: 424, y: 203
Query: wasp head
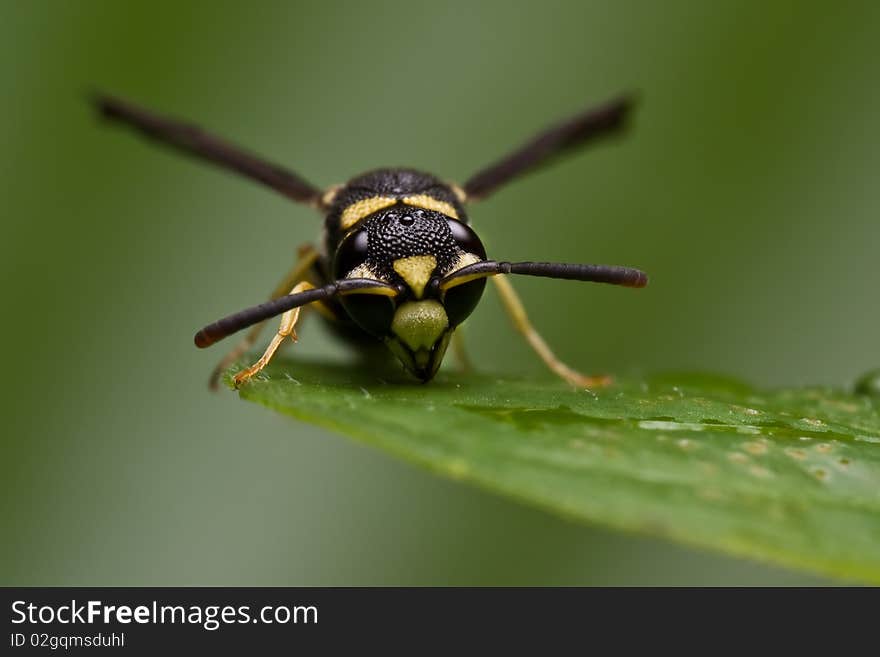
x: 412, y: 248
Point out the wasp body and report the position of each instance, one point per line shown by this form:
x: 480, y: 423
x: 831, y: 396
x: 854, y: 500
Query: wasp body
x: 399, y: 262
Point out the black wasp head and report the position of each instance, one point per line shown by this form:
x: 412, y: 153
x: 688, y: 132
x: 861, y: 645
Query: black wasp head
x: 413, y: 248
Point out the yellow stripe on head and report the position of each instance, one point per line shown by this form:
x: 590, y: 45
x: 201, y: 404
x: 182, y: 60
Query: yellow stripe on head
x: 431, y: 203
x: 364, y: 208
x: 416, y: 271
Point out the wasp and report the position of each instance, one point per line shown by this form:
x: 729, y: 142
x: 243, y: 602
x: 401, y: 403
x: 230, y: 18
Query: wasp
x: 398, y: 262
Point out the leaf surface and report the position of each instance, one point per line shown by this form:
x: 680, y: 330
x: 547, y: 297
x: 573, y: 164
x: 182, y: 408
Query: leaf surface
x: 787, y: 476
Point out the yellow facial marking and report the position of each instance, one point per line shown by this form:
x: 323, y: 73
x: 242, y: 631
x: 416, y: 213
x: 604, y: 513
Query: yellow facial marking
x: 461, y: 280
x: 363, y: 208
x: 431, y: 203
x: 377, y: 291
x: 363, y: 270
x: 416, y: 272
x: 464, y: 260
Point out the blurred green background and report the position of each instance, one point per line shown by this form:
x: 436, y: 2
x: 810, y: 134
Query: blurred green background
x: 747, y: 189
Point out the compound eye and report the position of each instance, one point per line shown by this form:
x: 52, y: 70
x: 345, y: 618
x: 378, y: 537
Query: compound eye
x: 461, y: 300
x: 373, y: 313
x: 466, y: 239
x: 350, y: 254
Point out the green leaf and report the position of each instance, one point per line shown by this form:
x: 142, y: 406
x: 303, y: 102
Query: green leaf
x: 787, y: 476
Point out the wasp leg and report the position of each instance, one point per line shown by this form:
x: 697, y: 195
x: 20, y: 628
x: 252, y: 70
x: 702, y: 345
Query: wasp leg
x: 306, y: 257
x: 462, y: 359
x: 286, y: 329
x: 512, y: 304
